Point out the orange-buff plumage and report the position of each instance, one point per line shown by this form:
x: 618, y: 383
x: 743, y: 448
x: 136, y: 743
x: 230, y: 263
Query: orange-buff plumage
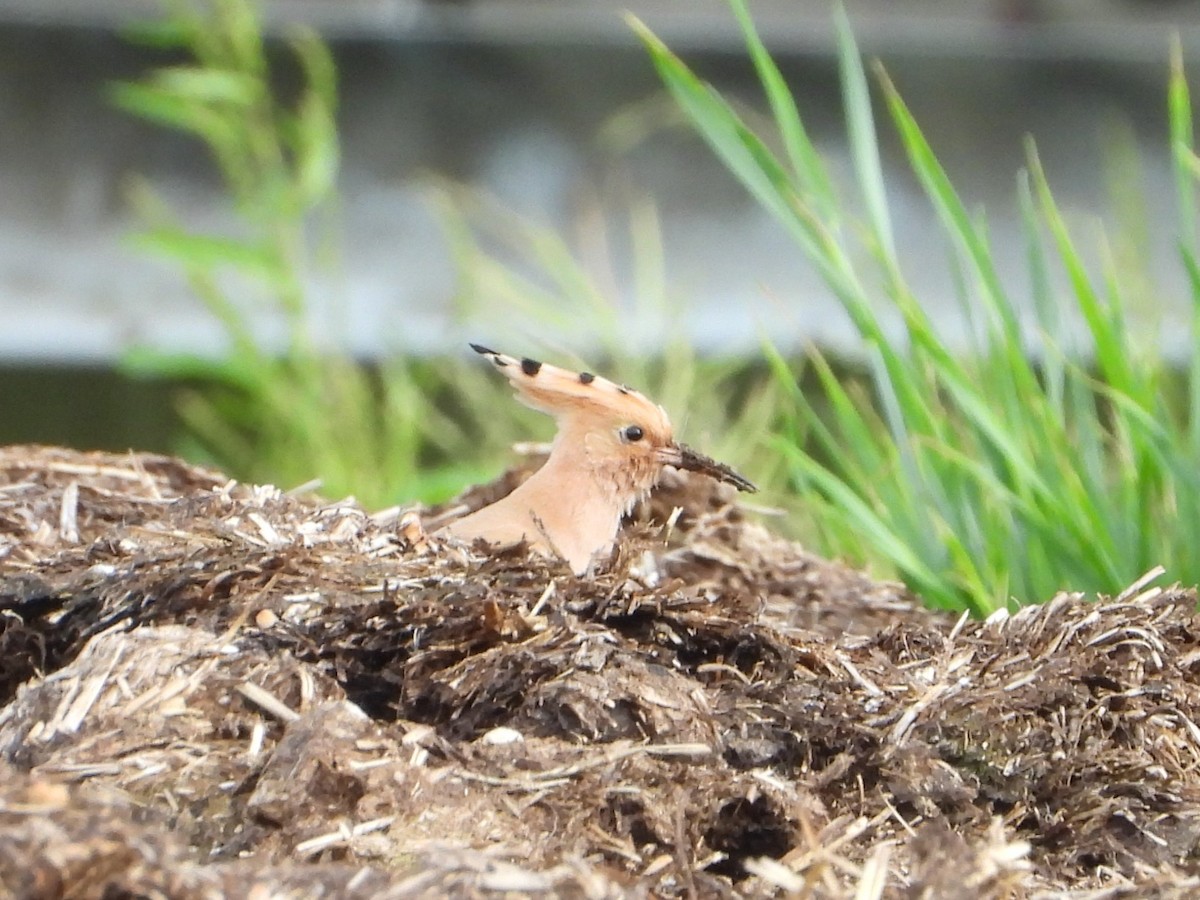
x: 610, y: 449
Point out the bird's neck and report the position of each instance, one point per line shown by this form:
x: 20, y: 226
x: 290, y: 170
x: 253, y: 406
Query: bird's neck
x: 588, y: 479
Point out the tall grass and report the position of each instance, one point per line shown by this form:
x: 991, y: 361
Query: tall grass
x: 290, y: 411
x: 999, y: 475
x: 302, y: 408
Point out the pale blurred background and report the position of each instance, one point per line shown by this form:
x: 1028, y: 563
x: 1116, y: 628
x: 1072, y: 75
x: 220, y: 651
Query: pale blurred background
x: 552, y: 107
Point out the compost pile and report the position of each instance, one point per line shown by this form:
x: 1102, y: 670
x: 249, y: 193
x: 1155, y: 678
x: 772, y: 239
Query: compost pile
x: 212, y: 689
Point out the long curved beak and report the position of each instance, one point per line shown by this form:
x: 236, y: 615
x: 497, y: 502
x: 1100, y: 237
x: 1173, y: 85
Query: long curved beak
x: 682, y: 456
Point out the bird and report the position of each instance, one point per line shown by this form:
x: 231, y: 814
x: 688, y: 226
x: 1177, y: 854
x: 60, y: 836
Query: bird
x: 609, y: 451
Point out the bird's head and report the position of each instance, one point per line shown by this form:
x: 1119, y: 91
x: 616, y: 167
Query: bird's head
x: 611, y: 431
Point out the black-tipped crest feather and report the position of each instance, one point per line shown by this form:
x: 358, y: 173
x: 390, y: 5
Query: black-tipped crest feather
x: 563, y: 393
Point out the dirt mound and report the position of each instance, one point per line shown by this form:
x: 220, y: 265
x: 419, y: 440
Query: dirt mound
x: 213, y: 689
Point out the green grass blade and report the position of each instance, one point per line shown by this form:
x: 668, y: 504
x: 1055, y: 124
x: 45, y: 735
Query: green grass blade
x: 866, y: 521
x: 803, y: 156
x: 746, y: 156
x: 1182, y: 136
x: 1183, y: 158
x: 949, y: 207
x: 1104, y: 323
x: 864, y: 145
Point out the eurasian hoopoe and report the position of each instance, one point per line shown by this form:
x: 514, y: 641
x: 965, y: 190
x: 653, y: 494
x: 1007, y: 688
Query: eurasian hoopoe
x: 611, y: 446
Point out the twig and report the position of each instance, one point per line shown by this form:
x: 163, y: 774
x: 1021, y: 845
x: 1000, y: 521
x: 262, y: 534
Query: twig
x: 68, y: 515
x: 267, y: 702
x: 560, y: 775
x: 342, y: 836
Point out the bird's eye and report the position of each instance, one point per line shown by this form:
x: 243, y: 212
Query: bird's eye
x: 633, y: 433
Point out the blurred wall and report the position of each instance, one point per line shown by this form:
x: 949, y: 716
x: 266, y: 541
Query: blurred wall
x: 515, y: 98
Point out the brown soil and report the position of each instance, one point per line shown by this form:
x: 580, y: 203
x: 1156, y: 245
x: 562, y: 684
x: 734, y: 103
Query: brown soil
x: 210, y: 689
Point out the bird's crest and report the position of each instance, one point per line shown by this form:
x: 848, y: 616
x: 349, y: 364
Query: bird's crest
x: 560, y: 392
x: 583, y: 396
